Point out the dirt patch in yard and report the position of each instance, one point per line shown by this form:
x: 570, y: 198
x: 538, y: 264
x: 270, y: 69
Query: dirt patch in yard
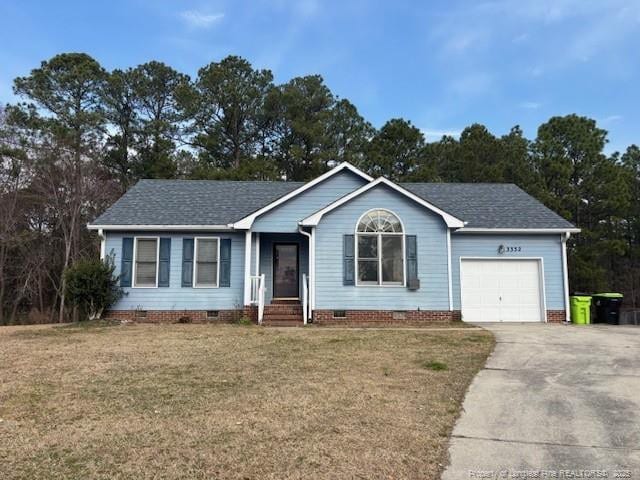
x: 231, y: 402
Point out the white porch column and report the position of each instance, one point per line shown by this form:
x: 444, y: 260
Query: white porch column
x: 257, y: 253
x: 312, y: 269
x: 247, y: 267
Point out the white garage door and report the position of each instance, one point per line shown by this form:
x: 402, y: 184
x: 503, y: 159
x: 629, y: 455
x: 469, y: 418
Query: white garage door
x: 501, y: 290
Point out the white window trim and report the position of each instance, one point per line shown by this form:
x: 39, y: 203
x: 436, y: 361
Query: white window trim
x: 195, y: 262
x: 135, y: 261
x: 380, y: 283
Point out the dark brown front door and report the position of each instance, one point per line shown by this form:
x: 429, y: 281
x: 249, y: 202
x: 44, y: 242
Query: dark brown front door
x: 285, y: 270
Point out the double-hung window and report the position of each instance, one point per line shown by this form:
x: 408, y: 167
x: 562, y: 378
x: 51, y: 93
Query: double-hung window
x: 146, y: 252
x: 207, y: 265
x: 380, y: 249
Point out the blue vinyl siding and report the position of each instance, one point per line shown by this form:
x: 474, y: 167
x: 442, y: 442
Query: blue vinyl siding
x: 285, y: 217
x: 431, y: 234
x: 176, y: 297
x: 548, y: 247
x: 266, y: 257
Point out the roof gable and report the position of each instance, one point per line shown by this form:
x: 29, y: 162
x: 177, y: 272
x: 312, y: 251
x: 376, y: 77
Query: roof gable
x: 247, y: 221
x: 450, y: 220
x: 285, y: 217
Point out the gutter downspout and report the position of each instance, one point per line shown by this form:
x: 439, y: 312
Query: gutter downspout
x: 450, y: 284
x: 565, y: 273
x: 103, y: 244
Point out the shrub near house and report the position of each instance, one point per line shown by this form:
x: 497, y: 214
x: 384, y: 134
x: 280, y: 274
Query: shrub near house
x: 92, y: 286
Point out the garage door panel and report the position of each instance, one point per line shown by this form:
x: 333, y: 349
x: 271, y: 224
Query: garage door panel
x: 528, y: 282
x: 520, y: 314
x: 530, y: 314
x: 479, y: 298
x: 478, y: 314
x: 501, y: 290
x: 475, y: 282
x: 474, y: 314
x: 515, y: 295
x: 510, y: 314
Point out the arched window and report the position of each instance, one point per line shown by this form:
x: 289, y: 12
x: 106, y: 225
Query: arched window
x: 379, y: 249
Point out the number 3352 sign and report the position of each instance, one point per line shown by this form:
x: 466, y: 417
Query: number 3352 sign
x: 509, y: 248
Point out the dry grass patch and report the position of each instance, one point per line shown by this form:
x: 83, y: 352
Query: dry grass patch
x: 229, y: 402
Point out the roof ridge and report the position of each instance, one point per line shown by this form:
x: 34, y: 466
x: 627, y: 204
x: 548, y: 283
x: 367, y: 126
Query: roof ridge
x: 459, y: 183
x: 198, y: 180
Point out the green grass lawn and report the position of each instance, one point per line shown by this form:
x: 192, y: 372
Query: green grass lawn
x: 220, y: 401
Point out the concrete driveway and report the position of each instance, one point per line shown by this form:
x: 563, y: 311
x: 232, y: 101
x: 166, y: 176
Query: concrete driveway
x: 552, y: 398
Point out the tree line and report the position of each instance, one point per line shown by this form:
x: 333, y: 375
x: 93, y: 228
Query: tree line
x: 80, y: 136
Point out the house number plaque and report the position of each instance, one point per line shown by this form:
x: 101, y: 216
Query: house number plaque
x: 509, y: 248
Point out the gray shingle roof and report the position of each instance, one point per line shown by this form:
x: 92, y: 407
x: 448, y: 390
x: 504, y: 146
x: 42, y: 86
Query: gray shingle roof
x: 192, y: 202
x: 489, y: 205
x: 214, y: 202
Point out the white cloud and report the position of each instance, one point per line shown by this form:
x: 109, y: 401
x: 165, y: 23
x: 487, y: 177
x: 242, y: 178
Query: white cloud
x: 520, y: 38
x: 463, y: 41
x: 473, y: 83
x: 610, y: 119
x: 535, y: 71
x: 196, y: 19
x: 436, y: 134
x: 307, y: 8
x: 530, y: 105
x: 551, y: 35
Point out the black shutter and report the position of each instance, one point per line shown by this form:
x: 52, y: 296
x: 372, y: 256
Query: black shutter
x: 348, y: 262
x: 412, y: 261
x: 225, y: 262
x: 187, y: 262
x: 126, y: 264
x: 165, y: 261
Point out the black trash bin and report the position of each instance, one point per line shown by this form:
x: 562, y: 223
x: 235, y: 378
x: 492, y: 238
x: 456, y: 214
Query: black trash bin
x: 607, y: 307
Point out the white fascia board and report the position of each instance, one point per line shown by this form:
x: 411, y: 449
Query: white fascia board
x: 246, y: 222
x: 314, y: 219
x: 159, y: 227
x: 517, y: 230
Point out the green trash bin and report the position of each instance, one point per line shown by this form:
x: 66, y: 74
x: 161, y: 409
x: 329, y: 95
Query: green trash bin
x: 581, y: 309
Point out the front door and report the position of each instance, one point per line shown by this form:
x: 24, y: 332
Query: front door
x: 285, y: 270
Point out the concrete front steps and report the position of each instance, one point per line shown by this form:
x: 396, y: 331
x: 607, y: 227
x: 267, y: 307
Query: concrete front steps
x: 283, y: 315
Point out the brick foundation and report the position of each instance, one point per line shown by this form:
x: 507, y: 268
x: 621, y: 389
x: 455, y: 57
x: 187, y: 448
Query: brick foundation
x: 556, y: 316
x: 386, y: 317
x: 320, y: 317
x: 182, y: 316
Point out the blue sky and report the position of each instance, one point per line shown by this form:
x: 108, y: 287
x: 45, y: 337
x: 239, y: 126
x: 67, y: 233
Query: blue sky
x: 441, y: 64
